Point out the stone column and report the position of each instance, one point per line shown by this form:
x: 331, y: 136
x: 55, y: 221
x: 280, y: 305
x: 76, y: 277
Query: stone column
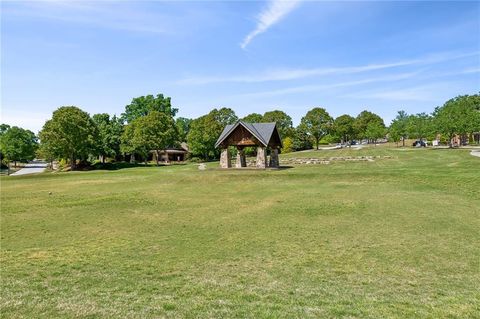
x: 261, y: 157
x: 274, y: 161
x: 241, y: 161
x: 225, y: 161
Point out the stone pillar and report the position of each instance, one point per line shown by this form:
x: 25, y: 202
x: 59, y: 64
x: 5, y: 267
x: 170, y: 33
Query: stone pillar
x: 241, y: 161
x: 274, y: 161
x: 261, y: 157
x: 225, y: 161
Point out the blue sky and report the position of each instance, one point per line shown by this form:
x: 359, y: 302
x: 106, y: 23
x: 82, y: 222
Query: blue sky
x: 346, y: 56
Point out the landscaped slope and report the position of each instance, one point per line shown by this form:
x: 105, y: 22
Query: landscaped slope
x: 394, y: 237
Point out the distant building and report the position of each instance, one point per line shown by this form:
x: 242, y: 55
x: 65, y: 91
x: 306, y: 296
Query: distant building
x: 172, y: 154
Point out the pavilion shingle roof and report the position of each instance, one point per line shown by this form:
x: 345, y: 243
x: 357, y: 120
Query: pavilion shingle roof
x: 262, y: 131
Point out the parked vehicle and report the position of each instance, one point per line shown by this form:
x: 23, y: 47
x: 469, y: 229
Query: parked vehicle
x: 419, y: 143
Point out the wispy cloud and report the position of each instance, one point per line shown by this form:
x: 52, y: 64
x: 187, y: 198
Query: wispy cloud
x: 293, y: 74
x: 320, y: 87
x: 103, y: 14
x: 413, y: 94
x: 273, y: 13
x: 283, y: 74
x: 471, y: 70
x: 423, y: 93
x: 410, y: 94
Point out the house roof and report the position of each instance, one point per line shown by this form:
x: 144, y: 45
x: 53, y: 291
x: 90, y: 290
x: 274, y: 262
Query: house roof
x: 261, y: 131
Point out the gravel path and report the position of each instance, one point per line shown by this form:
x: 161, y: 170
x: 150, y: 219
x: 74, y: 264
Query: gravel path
x: 31, y: 168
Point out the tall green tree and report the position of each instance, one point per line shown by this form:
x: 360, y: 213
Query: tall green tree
x: 375, y: 131
x: 224, y: 116
x: 363, y: 120
x: 301, y: 138
x: 70, y: 134
x: 4, y: 128
x: 109, y: 135
x: 17, y: 144
x: 253, y: 118
x: 458, y: 116
x: 343, y: 127
x: 283, y: 120
x: 394, y: 135
x: 205, y: 130
x: 420, y: 126
x: 129, y: 146
x: 155, y: 131
x: 141, y: 106
x: 183, y: 127
x: 399, y: 127
x: 317, y: 123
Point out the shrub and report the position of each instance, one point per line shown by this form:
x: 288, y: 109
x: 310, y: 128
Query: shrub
x: 287, y: 145
x: 62, y: 164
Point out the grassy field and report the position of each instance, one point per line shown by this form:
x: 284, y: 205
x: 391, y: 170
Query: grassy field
x: 393, y: 238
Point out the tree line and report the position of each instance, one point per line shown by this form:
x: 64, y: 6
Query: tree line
x: 149, y: 124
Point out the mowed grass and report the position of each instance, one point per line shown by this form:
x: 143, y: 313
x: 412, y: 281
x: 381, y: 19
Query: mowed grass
x: 394, y: 238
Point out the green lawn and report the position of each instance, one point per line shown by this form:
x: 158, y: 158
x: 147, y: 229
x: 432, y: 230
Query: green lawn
x: 393, y: 238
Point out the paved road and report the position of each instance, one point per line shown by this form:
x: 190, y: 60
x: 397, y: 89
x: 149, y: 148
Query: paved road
x: 475, y: 153
x: 31, y: 168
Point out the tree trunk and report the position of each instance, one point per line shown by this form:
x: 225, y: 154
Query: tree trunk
x: 317, y: 141
x: 157, y: 155
x: 403, y: 141
x: 450, y: 145
x: 103, y: 159
x: 73, y: 162
x: 15, y: 164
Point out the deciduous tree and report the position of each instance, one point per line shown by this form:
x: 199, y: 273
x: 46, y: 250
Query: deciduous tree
x: 109, y: 135
x: 459, y: 115
x: 183, y: 127
x: 363, y: 120
x: 17, y: 144
x: 420, y: 126
x: 204, y: 132
x: 224, y: 116
x: 343, y: 127
x: 69, y: 134
x: 317, y: 123
x: 253, y: 118
x: 301, y: 138
x: 155, y: 131
x: 375, y: 131
x: 399, y: 127
x: 141, y: 106
x: 283, y: 120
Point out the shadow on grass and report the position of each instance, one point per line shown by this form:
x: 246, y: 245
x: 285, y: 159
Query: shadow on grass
x: 250, y: 168
x: 122, y: 165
